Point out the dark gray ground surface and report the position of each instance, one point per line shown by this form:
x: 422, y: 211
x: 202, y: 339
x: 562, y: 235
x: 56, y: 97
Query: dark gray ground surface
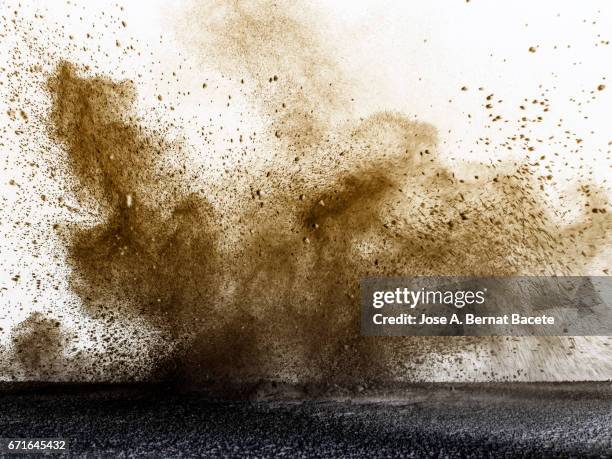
x: 519, y: 420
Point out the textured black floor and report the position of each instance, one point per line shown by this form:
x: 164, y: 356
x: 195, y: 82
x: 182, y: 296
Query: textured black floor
x: 429, y: 421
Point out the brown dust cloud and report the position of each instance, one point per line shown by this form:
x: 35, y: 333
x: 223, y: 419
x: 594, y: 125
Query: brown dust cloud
x: 256, y: 276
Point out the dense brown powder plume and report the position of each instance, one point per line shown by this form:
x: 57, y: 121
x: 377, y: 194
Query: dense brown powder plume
x: 261, y: 281
x: 374, y: 201
x: 141, y: 252
x: 38, y: 345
